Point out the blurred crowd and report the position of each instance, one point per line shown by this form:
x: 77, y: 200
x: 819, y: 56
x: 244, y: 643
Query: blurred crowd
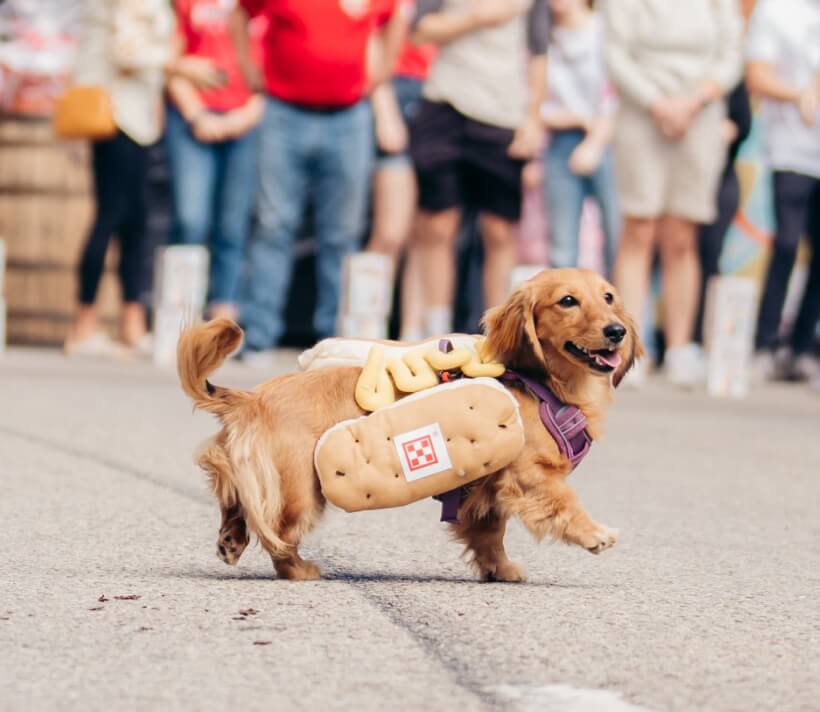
x: 400, y: 118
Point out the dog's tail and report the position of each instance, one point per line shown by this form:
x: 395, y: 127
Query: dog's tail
x: 202, y: 349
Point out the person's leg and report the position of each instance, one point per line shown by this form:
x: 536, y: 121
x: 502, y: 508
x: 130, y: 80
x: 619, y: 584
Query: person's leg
x: 564, y: 197
x: 394, y: 205
x: 413, y: 301
x: 236, y: 192
x: 193, y: 179
x: 342, y: 172
x: 132, y: 245
x: 711, y: 238
x: 286, y: 138
x: 605, y: 191
x: 805, y: 325
x: 492, y: 185
x: 680, y: 278
x: 500, y: 256
x: 791, y: 197
x: 110, y: 191
x: 436, y: 144
x: 633, y: 266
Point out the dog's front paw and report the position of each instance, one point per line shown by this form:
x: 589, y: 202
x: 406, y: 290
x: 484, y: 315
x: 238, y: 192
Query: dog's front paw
x: 506, y: 571
x: 599, y: 538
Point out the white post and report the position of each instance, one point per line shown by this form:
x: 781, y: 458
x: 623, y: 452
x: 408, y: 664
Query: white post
x: 729, y: 329
x: 180, y: 291
x: 366, y: 296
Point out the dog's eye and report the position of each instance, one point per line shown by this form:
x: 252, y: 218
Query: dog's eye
x: 568, y: 301
x: 608, y: 298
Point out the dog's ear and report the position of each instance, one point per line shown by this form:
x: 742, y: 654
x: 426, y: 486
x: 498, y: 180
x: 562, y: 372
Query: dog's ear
x: 510, y: 329
x: 635, y: 352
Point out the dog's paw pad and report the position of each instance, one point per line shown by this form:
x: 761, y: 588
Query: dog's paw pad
x: 601, y: 539
x: 229, y: 547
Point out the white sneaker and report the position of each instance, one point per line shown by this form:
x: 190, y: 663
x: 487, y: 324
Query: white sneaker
x: 764, y: 367
x: 685, y: 366
x: 98, y: 345
x: 637, y: 375
x: 258, y: 359
x: 804, y: 368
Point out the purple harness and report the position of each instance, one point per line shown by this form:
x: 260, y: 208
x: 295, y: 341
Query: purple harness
x: 566, y: 423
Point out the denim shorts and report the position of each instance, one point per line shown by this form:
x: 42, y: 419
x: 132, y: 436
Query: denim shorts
x: 408, y: 96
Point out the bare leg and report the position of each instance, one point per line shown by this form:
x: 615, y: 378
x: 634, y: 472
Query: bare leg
x: 485, y: 540
x: 554, y: 509
x: 412, y: 297
x: 634, y: 263
x: 233, y: 535
x: 680, y: 267
x: 435, y: 239
x: 500, y: 257
x: 85, y: 322
x: 394, y: 203
x: 132, y: 322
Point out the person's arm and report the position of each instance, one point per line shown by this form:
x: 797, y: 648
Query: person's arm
x: 240, y: 36
x: 438, y: 27
x: 623, y: 70
x: 530, y: 134
x: 391, y: 131
x: 386, y: 44
x: 762, y: 52
x: 727, y: 65
x: 556, y: 118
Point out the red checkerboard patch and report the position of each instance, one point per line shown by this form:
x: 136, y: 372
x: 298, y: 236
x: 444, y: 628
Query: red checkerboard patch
x: 420, y: 453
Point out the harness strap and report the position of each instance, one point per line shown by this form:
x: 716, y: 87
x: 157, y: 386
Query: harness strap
x: 566, y: 423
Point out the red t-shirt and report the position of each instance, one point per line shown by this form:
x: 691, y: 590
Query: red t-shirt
x: 414, y: 60
x: 315, y: 50
x: 203, y: 26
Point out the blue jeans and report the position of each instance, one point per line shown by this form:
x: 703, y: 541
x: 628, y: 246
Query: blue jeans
x: 213, y: 186
x: 565, y: 193
x: 325, y: 157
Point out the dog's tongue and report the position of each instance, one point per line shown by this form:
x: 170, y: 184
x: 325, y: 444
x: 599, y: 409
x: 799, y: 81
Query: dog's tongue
x: 608, y: 358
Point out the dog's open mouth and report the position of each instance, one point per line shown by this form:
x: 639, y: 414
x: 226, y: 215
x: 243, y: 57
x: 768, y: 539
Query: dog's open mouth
x: 603, y: 360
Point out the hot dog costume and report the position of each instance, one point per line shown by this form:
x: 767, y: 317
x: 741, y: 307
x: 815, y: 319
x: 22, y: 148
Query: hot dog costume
x: 438, y: 419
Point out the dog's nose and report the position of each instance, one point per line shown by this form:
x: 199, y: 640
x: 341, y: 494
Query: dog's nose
x: 615, y: 332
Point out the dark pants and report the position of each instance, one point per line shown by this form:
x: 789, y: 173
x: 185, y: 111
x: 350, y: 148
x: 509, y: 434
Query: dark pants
x: 712, y: 237
x: 120, y: 174
x: 796, y: 208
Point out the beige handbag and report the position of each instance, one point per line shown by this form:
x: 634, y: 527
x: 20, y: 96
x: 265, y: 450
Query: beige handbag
x: 85, y: 112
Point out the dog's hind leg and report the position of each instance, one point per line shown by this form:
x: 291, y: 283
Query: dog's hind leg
x: 233, y: 535
x: 484, y: 540
x: 292, y: 566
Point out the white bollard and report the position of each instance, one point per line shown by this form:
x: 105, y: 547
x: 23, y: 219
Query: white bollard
x: 522, y: 273
x: 180, y: 293
x: 729, y: 330
x: 181, y: 276
x: 366, y: 296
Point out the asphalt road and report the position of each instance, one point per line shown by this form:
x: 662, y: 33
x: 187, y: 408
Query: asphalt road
x: 708, y: 602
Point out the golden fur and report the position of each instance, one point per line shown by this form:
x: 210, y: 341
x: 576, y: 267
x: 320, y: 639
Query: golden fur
x: 261, y: 463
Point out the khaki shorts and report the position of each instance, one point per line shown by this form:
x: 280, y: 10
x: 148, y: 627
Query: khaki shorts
x: 658, y: 176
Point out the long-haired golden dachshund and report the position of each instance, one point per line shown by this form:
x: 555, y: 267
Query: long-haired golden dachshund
x: 564, y: 328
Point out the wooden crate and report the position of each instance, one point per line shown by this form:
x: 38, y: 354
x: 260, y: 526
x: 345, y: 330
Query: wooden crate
x: 46, y: 209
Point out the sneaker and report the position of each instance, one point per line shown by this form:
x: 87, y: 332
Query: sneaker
x: 804, y: 368
x: 764, y: 367
x: 685, y: 366
x: 98, y: 345
x: 257, y: 359
x: 637, y: 375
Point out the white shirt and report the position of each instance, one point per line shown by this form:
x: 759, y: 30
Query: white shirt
x: 576, y: 76
x: 786, y: 34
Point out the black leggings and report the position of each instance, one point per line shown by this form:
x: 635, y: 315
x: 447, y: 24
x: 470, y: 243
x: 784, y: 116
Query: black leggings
x: 712, y: 237
x: 120, y: 175
x: 796, y: 208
